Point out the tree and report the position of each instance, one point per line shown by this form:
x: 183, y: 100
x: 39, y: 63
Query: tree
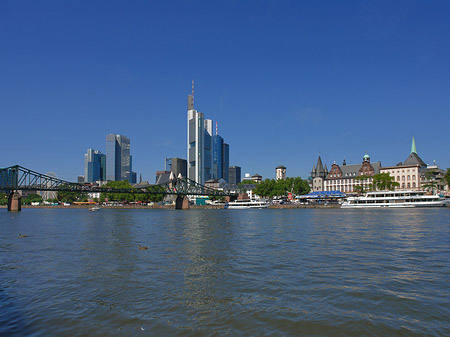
x: 3, y: 199
x: 131, y: 196
x: 32, y: 198
x: 430, y: 183
x: 447, y: 177
x: 384, y: 181
x: 66, y: 196
x: 364, y: 185
x: 271, y: 187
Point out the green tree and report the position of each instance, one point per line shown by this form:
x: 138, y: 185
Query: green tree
x: 447, y: 177
x: 364, y: 185
x: 131, y: 196
x: 271, y: 188
x: 384, y: 181
x: 3, y: 199
x: 32, y: 198
x: 430, y: 182
x: 66, y: 196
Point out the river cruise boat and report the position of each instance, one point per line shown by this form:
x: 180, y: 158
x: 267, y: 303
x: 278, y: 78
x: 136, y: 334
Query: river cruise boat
x: 394, y: 199
x: 247, y: 204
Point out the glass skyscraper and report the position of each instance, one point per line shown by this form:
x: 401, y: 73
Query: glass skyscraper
x: 94, y: 166
x: 118, y: 159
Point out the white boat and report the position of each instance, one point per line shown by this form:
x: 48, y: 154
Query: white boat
x: 246, y: 204
x: 94, y: 209
x: 394, y: 199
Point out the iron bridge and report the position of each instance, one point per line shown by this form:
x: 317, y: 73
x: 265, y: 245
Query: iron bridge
x: 16, y: 178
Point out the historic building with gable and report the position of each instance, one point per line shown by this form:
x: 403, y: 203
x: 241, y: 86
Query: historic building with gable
x: 342, y: 177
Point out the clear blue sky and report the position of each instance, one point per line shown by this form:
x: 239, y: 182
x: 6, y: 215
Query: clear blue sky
x: 284, y: 79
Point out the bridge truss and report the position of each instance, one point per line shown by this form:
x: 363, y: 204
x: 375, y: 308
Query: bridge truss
x: 16, y: 178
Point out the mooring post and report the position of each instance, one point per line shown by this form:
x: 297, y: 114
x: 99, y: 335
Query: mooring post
x: 14, y: 202
x: 182, y: 202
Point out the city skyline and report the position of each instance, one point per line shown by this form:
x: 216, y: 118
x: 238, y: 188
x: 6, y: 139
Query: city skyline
x: 287, y: 81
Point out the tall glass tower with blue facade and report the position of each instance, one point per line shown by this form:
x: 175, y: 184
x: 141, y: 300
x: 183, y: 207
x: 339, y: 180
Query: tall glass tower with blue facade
x: 94, y: 166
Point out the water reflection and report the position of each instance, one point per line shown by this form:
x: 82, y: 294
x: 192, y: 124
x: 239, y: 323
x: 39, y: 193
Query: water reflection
x: 219, y: 272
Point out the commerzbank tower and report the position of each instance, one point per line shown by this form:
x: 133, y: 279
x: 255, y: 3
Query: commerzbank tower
x: 199, y: 144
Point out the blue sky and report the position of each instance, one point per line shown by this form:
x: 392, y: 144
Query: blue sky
x: 284, y: 79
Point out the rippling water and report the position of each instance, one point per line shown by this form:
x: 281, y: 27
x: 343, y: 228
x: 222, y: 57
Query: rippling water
x: 311, y: 272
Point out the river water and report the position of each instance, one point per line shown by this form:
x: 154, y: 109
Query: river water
x: 309, y: 272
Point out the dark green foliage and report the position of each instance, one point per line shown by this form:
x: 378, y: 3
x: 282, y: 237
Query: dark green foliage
x: 129, y: 197
x: 32, y: 198
x: 3, y: 199
x: 271, y: 188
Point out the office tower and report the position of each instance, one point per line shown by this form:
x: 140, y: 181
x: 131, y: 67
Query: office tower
x: 208, y: 144
x: 179, y: 166
x: 118, y: 159
x: 225, y: 161
x: 217, y: 156
x: 167, y: 164
x: 94, y: 166
x: 80, y: 179
x: 199, y: 149
x: 235, y: 175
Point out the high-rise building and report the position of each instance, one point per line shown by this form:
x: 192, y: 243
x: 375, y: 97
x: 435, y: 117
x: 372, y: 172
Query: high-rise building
x: 118, y: 159
x: 208, y: 155
x: 217, y: 157
x: 199, y: 160
x: 179, y: 166
x: 94, y: 166
x: 225, y: 161
x: 234, y: 175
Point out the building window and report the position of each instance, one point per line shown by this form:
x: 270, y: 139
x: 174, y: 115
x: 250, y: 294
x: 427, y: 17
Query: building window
x: 414, y: 177
x: 403, y: 179
x: 403, y: 185
x: 409, y: 177
x: 398, y: 178
x: 414, y: 184
x: 409, y: 185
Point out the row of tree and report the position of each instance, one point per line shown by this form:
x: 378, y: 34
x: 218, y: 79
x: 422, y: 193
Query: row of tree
x: 270, y: 188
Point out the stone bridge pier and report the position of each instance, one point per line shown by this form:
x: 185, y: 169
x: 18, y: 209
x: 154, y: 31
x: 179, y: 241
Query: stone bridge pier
x: 182, y: 202
x: 14, y: 202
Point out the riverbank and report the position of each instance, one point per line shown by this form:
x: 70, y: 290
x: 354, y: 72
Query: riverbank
x: 285, y: 206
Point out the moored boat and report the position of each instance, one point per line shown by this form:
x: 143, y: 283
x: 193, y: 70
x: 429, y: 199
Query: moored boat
x: 246, y: 204
x: 394, y: 199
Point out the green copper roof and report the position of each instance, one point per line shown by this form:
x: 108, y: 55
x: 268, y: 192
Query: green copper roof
x: 413, y: 146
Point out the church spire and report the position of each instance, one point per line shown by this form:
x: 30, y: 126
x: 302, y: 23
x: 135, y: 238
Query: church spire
x: 413, y: 146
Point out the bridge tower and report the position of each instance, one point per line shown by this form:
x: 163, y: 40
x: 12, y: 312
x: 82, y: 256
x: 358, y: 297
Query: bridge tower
x: 14, y: 202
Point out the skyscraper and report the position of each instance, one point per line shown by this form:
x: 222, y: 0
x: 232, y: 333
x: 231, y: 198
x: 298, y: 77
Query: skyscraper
x: 179, y: 166
x: 235, y: 175
x: 225, y: 161
x: 198, y: 148
x: 217, y: 156
x: 118, y: 159
x: 94, y: 166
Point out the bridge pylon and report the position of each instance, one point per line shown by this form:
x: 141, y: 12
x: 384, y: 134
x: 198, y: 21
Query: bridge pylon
x: 14, y: 202
x: 182, y: 202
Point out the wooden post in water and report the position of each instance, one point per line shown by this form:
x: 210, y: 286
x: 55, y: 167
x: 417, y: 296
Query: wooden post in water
x: 182, y: 202
x: 14, y: 202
